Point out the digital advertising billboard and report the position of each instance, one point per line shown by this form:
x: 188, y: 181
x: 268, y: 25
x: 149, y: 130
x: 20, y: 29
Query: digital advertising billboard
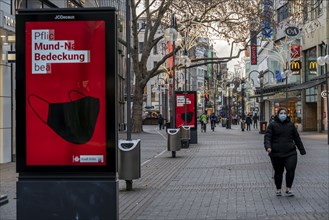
x: 185, y: 104
x: 66, y: 80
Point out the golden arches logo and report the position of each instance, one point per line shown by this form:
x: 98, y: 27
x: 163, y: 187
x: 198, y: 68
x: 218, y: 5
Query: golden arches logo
x: 295, y: 65
x: 312, y: 65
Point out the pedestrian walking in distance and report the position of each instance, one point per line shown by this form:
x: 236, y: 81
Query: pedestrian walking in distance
x: 280, y: 141
x: 160, y: 121
x: 248, y: 122
x: 255, y: 120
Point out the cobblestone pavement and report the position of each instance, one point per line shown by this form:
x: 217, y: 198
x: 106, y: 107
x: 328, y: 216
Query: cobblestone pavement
x: 227, y: 175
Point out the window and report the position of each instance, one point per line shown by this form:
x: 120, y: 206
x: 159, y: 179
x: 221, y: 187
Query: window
x: 310, y: 72
x: 153, y: 94
x: 155, y: 49
x: 140, y: 47
x: 311, y: 95
x: 283, y: 12
x: 312, y: 10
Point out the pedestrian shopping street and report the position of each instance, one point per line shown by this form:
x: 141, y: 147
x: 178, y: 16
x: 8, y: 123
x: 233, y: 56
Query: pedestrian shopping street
x: 227, y: 175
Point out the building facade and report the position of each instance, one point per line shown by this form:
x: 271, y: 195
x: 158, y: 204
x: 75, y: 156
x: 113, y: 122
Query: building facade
x: 295, y: 80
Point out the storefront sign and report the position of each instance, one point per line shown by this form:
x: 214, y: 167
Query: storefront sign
x: 312, y: 65
x: 253, y: 48
x: 66, y: 84
x: 295, y: 51
x: 186, y: 108
x: 7, y: 21
x: 291, y: 31
x: 295, y: 66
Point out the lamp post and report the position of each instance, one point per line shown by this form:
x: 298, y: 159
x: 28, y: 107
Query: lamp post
x: 164, y: 100
x: 187, y: 63
x: 324, y: 61
x: 262, y: 123
x: 171, y: 34
x: 286, y: 74
x: 229, y: 118
x: 241, y: 82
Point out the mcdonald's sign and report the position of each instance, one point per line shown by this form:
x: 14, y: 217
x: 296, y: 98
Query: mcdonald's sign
x: 295, y: 65
x: 312, y: 65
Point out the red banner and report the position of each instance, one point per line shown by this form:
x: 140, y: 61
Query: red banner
x: 295, y: 51
x: 170, y: 63
x: 65, y: 93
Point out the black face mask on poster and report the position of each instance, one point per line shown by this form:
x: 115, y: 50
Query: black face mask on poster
x: 74, y: 121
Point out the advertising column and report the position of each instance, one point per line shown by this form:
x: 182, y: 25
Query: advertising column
x: 66, y: 114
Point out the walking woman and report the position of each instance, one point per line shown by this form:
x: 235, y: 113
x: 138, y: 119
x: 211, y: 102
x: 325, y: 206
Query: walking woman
x: 280, y: 141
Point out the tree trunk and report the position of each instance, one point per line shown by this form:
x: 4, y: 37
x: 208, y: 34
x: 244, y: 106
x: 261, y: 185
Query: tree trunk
x: 137, y: 109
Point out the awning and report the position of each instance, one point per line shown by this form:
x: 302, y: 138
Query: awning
x: 274, y: 88
x: 308, y: 84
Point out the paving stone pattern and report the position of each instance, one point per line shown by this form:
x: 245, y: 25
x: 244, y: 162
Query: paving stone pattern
x: 227, y: 175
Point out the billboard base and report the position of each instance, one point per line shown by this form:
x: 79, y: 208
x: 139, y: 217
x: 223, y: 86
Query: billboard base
x: 67, y: 199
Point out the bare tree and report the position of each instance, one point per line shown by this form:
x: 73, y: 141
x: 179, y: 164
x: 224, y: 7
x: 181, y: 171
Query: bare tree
x: 220, y: 19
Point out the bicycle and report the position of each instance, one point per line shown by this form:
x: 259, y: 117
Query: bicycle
x: 203, y: 127
x: 213, y: 125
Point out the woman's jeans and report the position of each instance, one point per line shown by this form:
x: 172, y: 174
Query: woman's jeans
x: 279, y: 164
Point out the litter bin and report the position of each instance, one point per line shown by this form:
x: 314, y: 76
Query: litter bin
x: 185, y: 136
x: 129, y: 161
x: 263, y: 126
x: 224, y: 121
x: 174, y: 143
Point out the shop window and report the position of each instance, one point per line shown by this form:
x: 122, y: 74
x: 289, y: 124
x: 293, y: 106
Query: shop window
x: 311, y: 95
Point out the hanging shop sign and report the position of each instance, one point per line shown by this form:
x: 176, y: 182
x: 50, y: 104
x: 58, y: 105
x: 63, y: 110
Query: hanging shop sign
x: 186, y: 109
x: 66, y: 71
x: 295, y: 65
x: 291, y: 31
x: 295, y: 51
x: 253, y: 48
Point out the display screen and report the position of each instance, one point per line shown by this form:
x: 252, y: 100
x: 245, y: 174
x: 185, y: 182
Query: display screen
x: 66, y: 91
x: 185, y: 109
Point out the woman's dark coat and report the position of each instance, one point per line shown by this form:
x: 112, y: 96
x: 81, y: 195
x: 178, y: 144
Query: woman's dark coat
x: 283, y: 138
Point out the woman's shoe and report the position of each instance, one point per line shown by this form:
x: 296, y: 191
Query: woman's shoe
x: 289, y: 193
x: 278, y: 193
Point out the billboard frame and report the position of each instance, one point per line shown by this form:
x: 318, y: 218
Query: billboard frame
x: 109, y: 16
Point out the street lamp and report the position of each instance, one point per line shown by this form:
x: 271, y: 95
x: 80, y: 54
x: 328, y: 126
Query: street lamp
x: 164, y: 97
x: 286, y: 73
x: 262, y: 123
x: 241, y: 82
x: 229, y: 119
x: 171, y: 35
x: 186, y: 63
x: 324, y: 61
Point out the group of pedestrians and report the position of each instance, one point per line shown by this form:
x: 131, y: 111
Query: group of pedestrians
x: 250, y: 119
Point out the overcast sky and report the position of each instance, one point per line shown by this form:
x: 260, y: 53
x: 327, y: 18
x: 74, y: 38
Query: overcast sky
x: 223, y: 49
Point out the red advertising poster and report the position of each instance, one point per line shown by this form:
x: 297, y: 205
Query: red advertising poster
x: 187, y: 111
x: 65, y: 93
